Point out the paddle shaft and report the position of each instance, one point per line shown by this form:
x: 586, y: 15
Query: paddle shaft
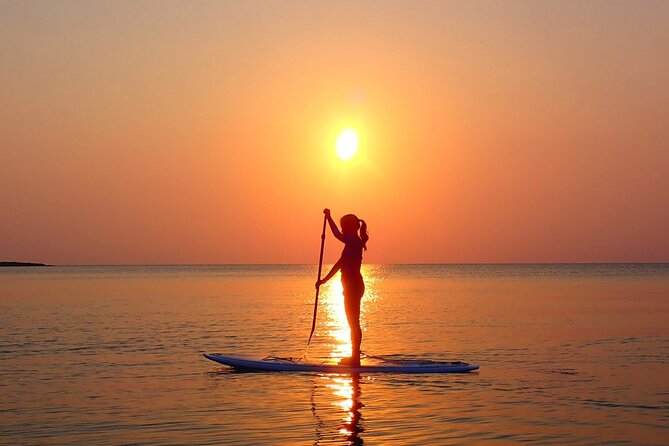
x: 320, y: 268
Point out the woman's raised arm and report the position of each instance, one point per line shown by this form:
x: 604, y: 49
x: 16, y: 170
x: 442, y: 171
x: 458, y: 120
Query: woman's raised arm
x: 333, y: 226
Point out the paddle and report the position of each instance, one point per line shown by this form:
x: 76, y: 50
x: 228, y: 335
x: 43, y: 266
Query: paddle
x: 320, y: 267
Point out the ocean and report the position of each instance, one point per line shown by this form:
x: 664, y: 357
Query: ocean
x: 112, y: 355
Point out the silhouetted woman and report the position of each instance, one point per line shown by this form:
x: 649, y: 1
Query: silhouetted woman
x: 354, y: 236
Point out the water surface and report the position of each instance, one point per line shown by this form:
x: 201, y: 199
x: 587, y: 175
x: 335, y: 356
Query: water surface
x: 569, y: 354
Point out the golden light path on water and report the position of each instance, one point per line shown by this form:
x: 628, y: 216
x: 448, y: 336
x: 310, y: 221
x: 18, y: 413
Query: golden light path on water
x: 337, y: 331
x: 346, y: 387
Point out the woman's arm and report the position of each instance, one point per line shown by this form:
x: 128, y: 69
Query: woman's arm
x: 333, y: 226
x: 333, y: 271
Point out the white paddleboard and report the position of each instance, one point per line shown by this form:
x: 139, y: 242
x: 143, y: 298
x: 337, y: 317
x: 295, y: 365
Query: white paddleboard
x: 274, y: 364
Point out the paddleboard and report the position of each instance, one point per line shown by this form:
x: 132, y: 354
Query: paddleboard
x: 275, y: 364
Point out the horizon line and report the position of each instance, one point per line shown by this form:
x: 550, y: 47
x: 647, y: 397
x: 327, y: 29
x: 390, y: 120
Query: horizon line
x: 387, y: 264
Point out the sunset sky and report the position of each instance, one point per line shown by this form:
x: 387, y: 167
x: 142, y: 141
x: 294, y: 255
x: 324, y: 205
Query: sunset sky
x: 204, y: 132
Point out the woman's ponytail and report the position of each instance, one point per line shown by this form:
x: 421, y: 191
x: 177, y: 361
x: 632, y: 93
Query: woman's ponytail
x: 363, y: 234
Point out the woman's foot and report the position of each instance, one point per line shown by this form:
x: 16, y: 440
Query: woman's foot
x: 350, y: 361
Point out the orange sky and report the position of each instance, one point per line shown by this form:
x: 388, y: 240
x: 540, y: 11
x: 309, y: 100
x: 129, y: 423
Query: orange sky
x: 166, y: 132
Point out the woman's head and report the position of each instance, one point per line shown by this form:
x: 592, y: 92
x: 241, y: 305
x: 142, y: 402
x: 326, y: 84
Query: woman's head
x: 350, y: 224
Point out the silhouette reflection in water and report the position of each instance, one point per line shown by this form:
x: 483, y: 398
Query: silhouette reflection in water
x: 341, y: 391
x: 352, y: 426
x: 346, y: 391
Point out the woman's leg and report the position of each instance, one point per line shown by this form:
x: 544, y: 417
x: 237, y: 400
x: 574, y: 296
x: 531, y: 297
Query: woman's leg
x: 352, y: 300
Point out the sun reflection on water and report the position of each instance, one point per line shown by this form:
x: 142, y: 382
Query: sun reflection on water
x: 345, y: 389
x: 336, y: 325
x: 346, y: 392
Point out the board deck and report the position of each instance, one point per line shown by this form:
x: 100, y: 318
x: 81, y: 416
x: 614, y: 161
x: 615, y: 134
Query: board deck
x: 273, y: 364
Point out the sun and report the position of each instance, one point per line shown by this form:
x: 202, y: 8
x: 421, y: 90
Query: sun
x: 347, y: 144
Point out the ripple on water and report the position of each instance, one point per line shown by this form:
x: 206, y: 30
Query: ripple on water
x: 113, y: 356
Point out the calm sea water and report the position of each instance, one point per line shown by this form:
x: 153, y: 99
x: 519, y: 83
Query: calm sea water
x: 569, y: 354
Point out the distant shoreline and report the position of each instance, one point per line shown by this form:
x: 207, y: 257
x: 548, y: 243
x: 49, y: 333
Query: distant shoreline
x: 22, y: 264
